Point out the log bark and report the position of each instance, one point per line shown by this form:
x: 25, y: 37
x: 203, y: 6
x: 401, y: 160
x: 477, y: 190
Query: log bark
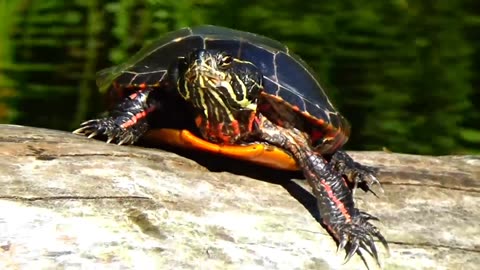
x: 71, y: 202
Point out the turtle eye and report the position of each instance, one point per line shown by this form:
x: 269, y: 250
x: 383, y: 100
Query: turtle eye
x: 226, y: 61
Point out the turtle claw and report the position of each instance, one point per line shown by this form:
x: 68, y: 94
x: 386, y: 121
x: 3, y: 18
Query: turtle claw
x: 93, y: 134
x: 356, y: 174
x: 359, y: 235
x: 80, y: 131
x: 124, y: 140
x: 368, y: 172
x: 110, y: 139
x: 342, y: 244
x: 352, y: 250
x: 363, y: 177
x: 367, y: 216
x: 108, y: 128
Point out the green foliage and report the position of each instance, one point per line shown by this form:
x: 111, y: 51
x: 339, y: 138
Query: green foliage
x: 52, y: 62
x: 401, y: 71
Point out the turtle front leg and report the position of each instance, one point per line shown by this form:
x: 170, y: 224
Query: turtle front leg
x: 125, y: 123
x: 357, y: 174
x: 349, y: 226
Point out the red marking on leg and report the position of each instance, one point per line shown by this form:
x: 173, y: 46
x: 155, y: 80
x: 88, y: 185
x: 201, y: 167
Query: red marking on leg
x: 136, y: 117
x: 133, y: 96
x: 337, y: 202
x: 142, y: 86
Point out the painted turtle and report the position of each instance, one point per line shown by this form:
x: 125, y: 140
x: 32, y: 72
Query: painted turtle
x: 243, y: 95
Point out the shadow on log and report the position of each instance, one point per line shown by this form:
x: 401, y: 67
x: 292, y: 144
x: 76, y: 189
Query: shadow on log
x: 70, y: 202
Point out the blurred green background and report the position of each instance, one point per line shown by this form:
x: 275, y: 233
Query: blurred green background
x: 403, y: 72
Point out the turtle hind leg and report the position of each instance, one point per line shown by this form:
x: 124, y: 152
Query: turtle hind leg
x: 358, y: 175
x: 125, y: 123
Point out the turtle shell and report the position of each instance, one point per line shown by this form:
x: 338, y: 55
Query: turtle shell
x: 292, y: 95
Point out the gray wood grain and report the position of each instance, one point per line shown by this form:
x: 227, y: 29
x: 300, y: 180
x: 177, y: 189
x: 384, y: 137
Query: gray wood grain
x: 70, y: 202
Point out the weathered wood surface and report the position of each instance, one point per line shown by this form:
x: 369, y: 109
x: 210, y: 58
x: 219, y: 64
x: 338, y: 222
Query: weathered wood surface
x: 70, y: 202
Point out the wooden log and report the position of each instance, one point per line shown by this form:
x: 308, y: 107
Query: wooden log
x: 71, y: 202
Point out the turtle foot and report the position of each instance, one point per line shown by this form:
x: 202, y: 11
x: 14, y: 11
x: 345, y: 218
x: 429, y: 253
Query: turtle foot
x: 109, y: 128
x: 359, y: 235
x: 355, y: 173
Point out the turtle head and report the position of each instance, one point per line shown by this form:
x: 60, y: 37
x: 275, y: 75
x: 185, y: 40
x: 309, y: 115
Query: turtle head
x: 216, y: 77
x: 223, y: 90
